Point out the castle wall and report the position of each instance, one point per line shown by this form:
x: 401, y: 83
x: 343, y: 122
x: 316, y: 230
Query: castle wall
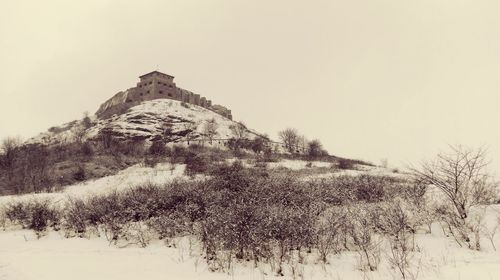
x: 196, y: 98
x: 156, y: 85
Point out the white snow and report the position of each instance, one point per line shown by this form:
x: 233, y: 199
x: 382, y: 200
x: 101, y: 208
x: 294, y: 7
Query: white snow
x: 53, y: 257
x: 131, y: 177
x: 298, y: 164
x: 147, y: 119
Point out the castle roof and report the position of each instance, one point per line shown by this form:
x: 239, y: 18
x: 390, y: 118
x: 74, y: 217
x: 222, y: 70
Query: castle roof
x: 155, y: 72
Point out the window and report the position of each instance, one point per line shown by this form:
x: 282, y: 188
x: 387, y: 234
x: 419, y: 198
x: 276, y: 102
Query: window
x: 140, y: 94
x: 161, y: 91
x: 147, y: 91
x: 150, y: 82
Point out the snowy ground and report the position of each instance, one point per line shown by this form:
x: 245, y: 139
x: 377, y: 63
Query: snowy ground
x: 146, y: 121
x: 24, y: 257
x: 131, y: 177
x: 298, y: 164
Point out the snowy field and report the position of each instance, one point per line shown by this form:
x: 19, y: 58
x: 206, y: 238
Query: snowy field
x: 131, y: 177
x: 24, y: 257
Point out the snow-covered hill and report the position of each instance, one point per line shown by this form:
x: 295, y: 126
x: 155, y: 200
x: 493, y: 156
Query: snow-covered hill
x: 173, y: 120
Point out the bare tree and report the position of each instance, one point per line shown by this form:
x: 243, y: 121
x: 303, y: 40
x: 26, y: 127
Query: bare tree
x: 462, y: 176
x: 190, y: 128
x: 106, y: 137
x: 400, y: 230
x: 490, y: 232
x: 79, y: 132
x: 290, y: 138
x: 315, y: 148
x: 210, y: 129
x: 8, y: 149
x: 239, y: 130
x: 80, y: 128
x: 86, y: 121
x: 302, y: 144
x: 34, y: 169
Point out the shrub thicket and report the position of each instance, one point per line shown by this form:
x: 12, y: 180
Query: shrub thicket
x: 241, y: 213
x: 37, y: 215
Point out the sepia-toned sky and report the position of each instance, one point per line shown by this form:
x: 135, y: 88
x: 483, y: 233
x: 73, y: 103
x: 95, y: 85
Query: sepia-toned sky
x: 372, y: 79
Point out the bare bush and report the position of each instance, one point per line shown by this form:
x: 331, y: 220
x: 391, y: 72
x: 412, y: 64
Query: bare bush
x: 345, y: 164
x: 290, y: 138
x: 400, y: 230
x: 196, y: 163
x: 361, y: 230
x: 315, y: 149
x: 9, y: 151
x: 37, y: 215
x: 239, y: 130
x: 137, y: 233
x: 158, y: 148
x: 462, y: 176
x: 328, y: 234
x: 490, y: 232
x: 210, y: 129
x: 75, y: 217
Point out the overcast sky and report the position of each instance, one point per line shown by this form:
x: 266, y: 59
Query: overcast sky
x: 371, y: 79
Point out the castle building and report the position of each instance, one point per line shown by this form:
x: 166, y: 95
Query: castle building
x: 156, y: 85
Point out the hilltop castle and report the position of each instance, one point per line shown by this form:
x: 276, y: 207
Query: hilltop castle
x: 156, y: 85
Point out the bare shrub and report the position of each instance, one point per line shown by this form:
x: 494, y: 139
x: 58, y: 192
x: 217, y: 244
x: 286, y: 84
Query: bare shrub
x: 462, y: 177
x: 170, y: 226
x: 178, y: 154
x: 196, y: 163
x: 210, y: 129
x: 108, y: 212
x: 87, y: 149
x: 80, y: 174
x: 86, y: 121
x: 475, y: 224
x: 259, y: 145
x: 490, y: 232
x: 158, y: 149
x: 315, y: 149
x: 345, y: 164
x: 361, y: 230
x: 75, y: 217
x: 290, y: 138
x: 239, y: 130
x: 417, y: 206
x: 328, y: 232
x: 137, y: 233
x: 452, y: 224
x: 37, y: 215
x: 399, y: 228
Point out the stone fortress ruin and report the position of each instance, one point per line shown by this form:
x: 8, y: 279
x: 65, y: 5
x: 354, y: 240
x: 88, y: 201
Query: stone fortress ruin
x: 156, y: 85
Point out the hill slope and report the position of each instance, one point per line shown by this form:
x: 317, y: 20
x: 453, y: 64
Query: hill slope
x: 172, y: 120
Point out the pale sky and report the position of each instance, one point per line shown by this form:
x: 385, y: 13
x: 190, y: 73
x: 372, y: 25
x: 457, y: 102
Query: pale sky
x: 371, y: 79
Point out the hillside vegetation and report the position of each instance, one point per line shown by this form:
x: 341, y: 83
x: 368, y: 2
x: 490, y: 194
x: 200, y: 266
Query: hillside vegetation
x: 240, y: 199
